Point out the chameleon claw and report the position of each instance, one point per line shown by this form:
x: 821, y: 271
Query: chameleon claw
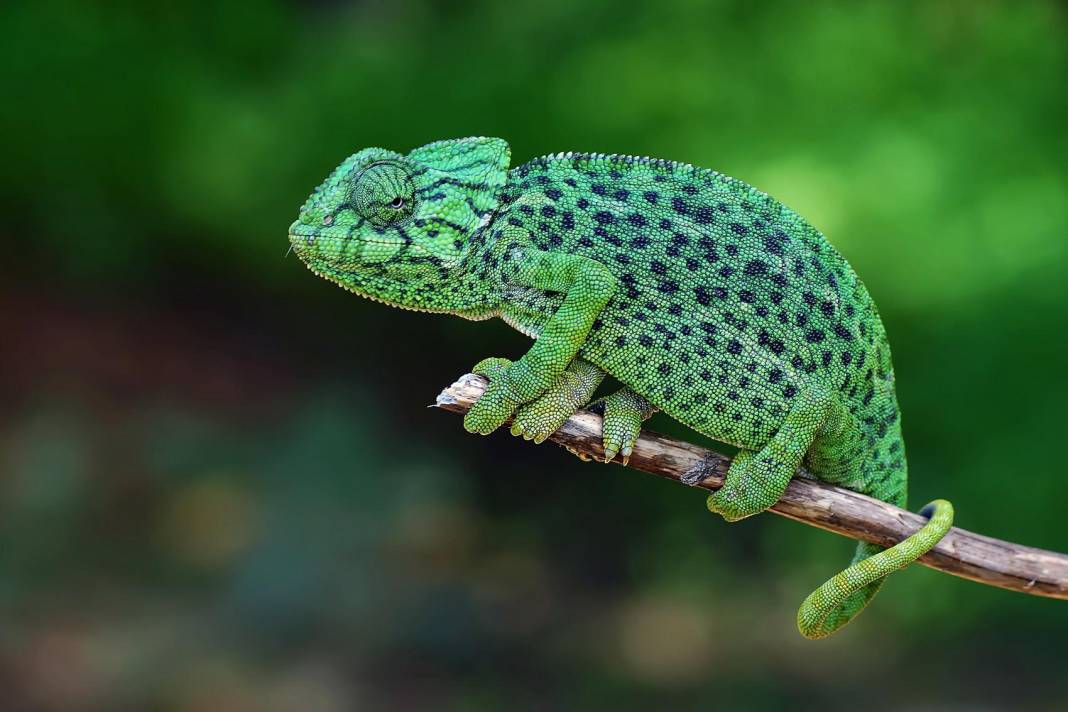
x: 627, y: 452
x: 610, y: 450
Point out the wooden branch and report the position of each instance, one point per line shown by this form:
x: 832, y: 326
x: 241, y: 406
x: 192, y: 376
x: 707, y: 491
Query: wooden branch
x: 961, y: 553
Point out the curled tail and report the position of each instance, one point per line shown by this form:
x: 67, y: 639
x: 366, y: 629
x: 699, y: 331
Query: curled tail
x: 843, y: 596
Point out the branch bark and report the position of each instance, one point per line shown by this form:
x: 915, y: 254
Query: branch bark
x: 961, y: 553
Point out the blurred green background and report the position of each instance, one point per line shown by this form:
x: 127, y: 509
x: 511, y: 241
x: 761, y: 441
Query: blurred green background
x: 220, y: 488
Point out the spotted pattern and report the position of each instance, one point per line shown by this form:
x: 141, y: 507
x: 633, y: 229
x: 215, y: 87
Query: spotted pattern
x: 729, y: 304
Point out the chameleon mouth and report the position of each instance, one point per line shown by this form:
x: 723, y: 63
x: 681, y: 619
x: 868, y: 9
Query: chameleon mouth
x: 302, y: 234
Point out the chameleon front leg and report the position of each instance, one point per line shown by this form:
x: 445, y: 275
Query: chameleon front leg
x: 587, y: 286
x: 756, y: 479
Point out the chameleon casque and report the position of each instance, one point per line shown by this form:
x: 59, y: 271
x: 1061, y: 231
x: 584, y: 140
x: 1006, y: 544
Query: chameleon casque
x: 706, y: 298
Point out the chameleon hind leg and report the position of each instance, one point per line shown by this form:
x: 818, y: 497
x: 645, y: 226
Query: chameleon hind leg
x: 756, y: 479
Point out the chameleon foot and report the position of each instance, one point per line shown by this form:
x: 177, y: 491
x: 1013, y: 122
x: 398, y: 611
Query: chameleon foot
x: 624, y: 412
x: 497, y: 404
x: 745, y: 491
x: 538, y: 420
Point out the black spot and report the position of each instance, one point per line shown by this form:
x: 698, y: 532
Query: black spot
x: 651, y: 196
x: 775, y: 375
x: 582, y: 203
x: 667, y: 286
x: 665, y: 224
x: 790, y: 391
x: 598, y: 189
x: 637, y: 220
x: 756, y: 268
x: 548, y: 211
x: 554, y: 194
x: 703, y: 296
x: 703, y: 215
x: 664, y: 368
x: 734, y: 347
x: 621, y: 341
x: 679, y: 206
x: 746, y: 296
x: 814, y: 336
x: 692, y: 264
x: 842, y: 332
x: 658, y: 267
x: 604, y: 217
x: 640, y: 242
x: 676, y: 310
x: 739, y: 229
x: 621, y: 195
x: 645, y: 340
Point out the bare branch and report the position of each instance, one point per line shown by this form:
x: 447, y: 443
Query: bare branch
x: 961, y: 553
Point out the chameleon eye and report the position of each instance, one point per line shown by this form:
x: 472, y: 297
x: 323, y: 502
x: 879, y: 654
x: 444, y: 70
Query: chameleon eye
x: 383, y: 193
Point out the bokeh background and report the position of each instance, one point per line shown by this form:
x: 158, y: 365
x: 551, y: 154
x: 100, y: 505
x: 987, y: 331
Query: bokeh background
x: 220, y: 488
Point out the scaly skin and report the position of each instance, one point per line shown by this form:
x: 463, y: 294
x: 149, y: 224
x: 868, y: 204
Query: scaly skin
x: 706, y: 298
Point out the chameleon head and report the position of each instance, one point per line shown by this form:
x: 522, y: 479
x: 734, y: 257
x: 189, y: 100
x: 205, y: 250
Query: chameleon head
x: 382, y: 221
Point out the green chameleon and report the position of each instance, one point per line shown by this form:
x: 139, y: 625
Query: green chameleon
x: 706, y: 298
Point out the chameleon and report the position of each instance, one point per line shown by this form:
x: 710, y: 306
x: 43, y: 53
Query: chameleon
x: 705, y: 298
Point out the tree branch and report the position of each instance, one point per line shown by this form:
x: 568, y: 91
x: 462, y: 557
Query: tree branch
x: 961, y: 553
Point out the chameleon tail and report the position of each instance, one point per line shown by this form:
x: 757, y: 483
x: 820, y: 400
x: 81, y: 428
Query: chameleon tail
x: 843, y: 596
